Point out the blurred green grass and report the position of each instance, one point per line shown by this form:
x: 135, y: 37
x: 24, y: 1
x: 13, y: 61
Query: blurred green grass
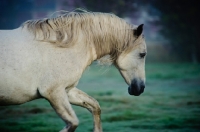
x: 170, y: 103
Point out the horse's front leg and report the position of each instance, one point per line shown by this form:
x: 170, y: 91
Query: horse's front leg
x: 78, y: 97
x: 59, y: 101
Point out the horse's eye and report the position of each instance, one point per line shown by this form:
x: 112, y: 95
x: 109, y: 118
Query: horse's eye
x: 142, y: 55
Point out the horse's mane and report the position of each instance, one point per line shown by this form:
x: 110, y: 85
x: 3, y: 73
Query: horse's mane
x: 106, y: 31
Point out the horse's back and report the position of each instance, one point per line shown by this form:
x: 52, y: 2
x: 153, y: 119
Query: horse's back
x: 14, y: 62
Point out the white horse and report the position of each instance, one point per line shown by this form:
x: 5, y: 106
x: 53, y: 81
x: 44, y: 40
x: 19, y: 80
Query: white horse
x: 46, y: 58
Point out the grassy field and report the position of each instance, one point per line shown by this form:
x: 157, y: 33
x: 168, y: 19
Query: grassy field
x: 170, y: 103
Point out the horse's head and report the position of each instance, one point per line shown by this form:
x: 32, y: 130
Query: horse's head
x: 131, y: 63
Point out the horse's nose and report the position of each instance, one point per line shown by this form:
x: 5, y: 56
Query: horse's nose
x: 136, y: 87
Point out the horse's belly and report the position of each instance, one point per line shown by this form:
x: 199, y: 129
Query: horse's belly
x: 14, y: 90
x: 14, y: 96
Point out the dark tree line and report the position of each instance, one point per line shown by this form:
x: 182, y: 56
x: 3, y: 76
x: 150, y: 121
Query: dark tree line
x: 181, y: 25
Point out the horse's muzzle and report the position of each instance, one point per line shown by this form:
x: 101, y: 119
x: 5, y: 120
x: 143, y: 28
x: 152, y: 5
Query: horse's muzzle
x: 136, y: 87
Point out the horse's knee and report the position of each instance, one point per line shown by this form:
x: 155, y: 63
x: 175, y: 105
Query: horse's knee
x: 72, y: 125
x: 75, y: 123
x: 97, y: 109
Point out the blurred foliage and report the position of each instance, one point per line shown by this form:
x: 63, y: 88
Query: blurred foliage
x: 12, y: 11
x: 118, y: 7
x: 181, y: 26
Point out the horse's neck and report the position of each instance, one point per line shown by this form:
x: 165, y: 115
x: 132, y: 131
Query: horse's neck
x: 86, y: 53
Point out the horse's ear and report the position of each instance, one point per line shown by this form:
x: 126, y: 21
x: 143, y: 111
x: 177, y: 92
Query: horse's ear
x: 138, y: 31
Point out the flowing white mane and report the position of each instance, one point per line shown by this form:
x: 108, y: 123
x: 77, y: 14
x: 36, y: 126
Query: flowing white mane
x: 106, y: 31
